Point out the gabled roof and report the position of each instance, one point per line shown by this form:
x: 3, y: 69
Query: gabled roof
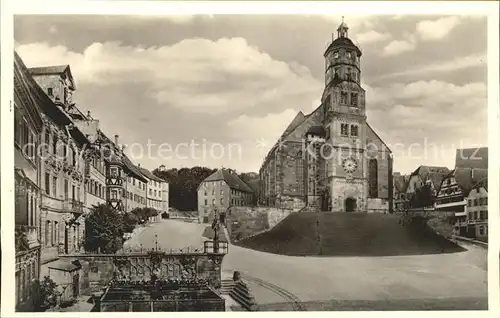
x: 481, y: 184
x: 53, y: 111
x: 53, y: 70
x: 467, y: 178
x: 433, y: 173
x: 472, y: 158
x: 148, y: 174
x: 232, y: 180
x: 21, y: 85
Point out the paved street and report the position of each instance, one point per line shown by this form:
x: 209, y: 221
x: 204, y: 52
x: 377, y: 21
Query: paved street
x: 341, y: 278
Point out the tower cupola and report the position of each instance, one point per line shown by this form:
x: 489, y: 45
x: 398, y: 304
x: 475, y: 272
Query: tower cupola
x: 342, y: 30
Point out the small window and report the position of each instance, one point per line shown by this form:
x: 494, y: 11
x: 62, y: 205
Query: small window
x: 354, y: 99
x: 50, y: 92
x: 469, y: 203
x: 348, y: 54
x: 343, y: 98
x: 354, y: 130
x: 344, y: 129
x: 481, y: 230
x: 336, y: 55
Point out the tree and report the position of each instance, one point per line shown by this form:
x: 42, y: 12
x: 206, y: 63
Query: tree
x: 130, y: 221
x: 183, y: 184
x: 104, y: 229
x: 423, y: 197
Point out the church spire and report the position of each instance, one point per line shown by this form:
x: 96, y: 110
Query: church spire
x: 342, y: 29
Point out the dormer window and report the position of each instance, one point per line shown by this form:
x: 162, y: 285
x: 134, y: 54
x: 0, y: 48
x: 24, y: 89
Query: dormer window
x: 50, y: 92
x: 336, y: 55
x: 348, y: 55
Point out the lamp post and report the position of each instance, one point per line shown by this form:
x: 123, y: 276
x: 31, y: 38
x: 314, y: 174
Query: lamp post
x: 215, y: 228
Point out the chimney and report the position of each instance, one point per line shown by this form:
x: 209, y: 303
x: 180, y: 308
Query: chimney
x: 139, y: 165
x: 116, y: 140
x: 88, y: 114
x: 162, y: 168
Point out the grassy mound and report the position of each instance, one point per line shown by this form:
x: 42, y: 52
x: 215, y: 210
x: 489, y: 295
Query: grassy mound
x: 348, y: 234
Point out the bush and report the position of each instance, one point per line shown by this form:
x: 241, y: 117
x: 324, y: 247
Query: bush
x: 44, y: 294
x: 104, y: 229
x: 165, y: 215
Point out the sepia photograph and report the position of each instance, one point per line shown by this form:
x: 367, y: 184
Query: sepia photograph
x: 250, y: 162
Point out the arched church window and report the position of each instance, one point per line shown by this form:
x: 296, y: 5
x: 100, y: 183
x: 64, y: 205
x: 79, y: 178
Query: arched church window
x: 373, y: 178
x: 299, y: 172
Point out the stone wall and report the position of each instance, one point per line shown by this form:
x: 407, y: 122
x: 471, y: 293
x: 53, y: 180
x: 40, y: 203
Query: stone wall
x: 248, y: 221
x: 377, y: 205
x: 98, y: 269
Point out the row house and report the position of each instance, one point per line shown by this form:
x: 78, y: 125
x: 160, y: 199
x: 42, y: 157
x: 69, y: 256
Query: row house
x: 61, y: 177
x: 28, y: 125
x: 165, y: 191
x: 471, y: 168
x: 135, y: 187
x: 155, y: 195
x: 72, y: 167
x: 476, y: 221
x: 220, y: 191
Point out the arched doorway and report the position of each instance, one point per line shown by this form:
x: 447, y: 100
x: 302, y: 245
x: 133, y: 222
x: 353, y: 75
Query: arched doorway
x: 350, y: 204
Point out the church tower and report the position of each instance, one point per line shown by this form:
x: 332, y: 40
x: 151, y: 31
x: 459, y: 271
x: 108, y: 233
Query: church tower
x: 345, y: 125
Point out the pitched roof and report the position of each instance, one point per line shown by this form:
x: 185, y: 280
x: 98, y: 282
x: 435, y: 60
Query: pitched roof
x: 232, y: 180
x: 433, y: 173
x: 133, y: 169
x: 472, y: 158
x: 482, y: 183
x: 467, y: 178
x: 148, y: 174
x: 53, y: 70
x: 46, y: 70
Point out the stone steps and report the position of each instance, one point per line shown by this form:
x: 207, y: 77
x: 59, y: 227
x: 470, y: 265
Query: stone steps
x: 242, y: 295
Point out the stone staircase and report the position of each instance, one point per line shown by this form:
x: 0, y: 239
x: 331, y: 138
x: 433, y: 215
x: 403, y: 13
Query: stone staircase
x: 242, y: 295
x: 227, y: 285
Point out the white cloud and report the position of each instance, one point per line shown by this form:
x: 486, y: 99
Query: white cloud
x: 431, y: 30
x: 444, y: 66
x: 372, y: 36
x: 195, y: 75
x: 397, y: 47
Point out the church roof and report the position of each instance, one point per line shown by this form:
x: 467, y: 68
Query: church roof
x: 232, y: 180
x: 344, y: 42
x: 472, y: 158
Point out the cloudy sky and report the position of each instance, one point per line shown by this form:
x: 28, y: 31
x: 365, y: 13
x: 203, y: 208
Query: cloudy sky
x: 229, y: 85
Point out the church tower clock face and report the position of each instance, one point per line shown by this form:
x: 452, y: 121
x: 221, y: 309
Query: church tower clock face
x: 350, y: 165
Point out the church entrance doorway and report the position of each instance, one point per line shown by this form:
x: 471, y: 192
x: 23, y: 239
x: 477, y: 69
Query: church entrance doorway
x: 350, y: 204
